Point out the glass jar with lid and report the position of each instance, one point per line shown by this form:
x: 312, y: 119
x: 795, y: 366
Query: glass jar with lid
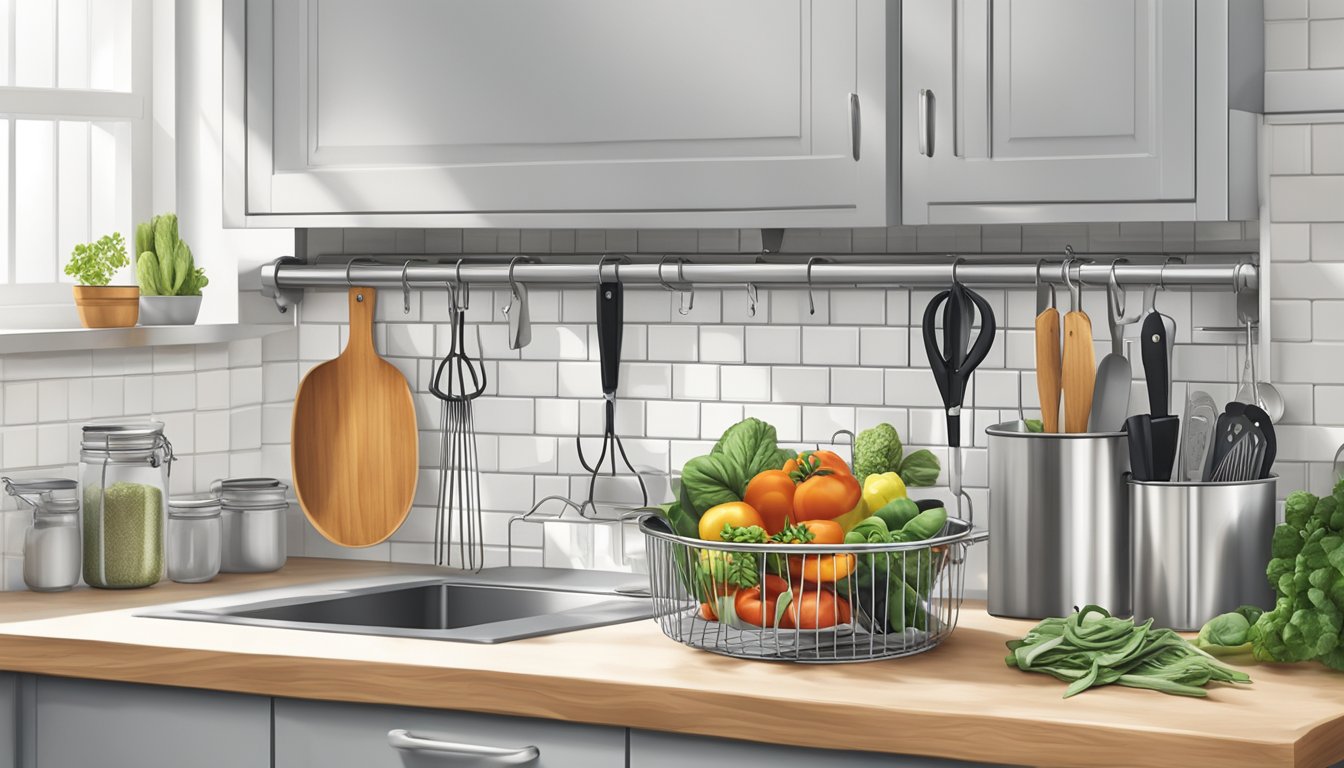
x: 254, y: 510
x: 124, y: 469
x: 51, y: 544
x: 193, y: 539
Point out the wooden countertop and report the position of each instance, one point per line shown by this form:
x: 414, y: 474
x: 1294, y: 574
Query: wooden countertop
x: 957, y: 701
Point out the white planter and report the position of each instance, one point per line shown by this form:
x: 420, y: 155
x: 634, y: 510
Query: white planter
x: 169, y: 310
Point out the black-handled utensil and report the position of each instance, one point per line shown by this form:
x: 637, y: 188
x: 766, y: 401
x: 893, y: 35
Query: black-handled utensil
x: 1140, y: 431
x: 1164, y: 428
x: 952, y: 369
x: 610, y: 324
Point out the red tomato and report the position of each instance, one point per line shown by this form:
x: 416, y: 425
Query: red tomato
x: 825, y: 497
x: 753, y: 608
x: 770, y: 493
x: 815, y: 608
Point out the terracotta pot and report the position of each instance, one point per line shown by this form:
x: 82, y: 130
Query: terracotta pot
x: 107, y: 306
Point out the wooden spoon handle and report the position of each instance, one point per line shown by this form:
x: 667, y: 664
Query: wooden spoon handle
x: 1048, y: 367
x: 1080, y: 371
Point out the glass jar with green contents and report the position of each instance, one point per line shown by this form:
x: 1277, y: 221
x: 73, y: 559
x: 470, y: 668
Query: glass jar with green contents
x: 123, y: 469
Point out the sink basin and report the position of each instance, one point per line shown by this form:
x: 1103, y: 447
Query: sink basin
x: 493, y: 606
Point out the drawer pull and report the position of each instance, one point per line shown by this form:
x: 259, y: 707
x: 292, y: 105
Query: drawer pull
x: 400, y: 738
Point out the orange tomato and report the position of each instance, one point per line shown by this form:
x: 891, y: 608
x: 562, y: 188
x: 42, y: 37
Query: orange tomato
x: 759, y: 604
x: 824, y: 531
x: 825, y: 497
x: 822, y: 569
x: 815, y: 608
x: 770, y: 493
x: 738, y: 514
x: 811, y: 461
x: 707, y: 612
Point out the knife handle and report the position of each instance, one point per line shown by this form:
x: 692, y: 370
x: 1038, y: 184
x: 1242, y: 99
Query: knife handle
x: 1157, y: 374
x: 1048, y: 367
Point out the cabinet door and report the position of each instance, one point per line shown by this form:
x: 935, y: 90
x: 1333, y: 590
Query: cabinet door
x: 1047, y: 101
x: 562, y: 109
x: 650, y: 749
x: 319, y: 734
x: 115, y: 725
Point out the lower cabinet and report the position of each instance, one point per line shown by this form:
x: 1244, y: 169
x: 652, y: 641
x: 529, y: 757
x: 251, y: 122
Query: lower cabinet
x: 649, y: 749
x: 116, y: 725
x: 317, y: 734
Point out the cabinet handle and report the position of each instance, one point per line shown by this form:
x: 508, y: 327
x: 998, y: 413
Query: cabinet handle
x: 927, y: 105
x: 474, y: 754
x: 855, y: 125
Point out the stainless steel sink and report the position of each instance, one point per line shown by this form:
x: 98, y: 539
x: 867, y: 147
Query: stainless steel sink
x: 493, y: 606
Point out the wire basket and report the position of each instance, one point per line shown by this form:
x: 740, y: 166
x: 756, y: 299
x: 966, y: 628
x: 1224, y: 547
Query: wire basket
x: 811, y: 603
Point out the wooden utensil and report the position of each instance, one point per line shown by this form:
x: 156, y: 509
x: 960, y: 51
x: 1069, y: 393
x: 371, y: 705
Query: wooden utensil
x: 1047, y: 356
x: 354, y: 445
x: 1079, y: 364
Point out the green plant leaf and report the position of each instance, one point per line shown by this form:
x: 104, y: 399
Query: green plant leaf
x: 165, y: 247
x: 183, y: 268
x: 94, y: 263
x: 750, y: 446
x: 147, y: 274
x: 920, y: 469
x: 708, y: 481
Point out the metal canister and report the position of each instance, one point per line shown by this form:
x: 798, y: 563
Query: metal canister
x: 1058, y: 522
x: 1200, y: 549
x: 253, y: 515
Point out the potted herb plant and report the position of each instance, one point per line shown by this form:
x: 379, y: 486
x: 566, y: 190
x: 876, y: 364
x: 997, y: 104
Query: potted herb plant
x: 101, y: 305
x: 170, y: 281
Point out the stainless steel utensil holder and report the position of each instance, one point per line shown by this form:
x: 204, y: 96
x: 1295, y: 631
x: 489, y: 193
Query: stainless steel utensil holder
x: 1200, y: 549
x: 1059, y: 522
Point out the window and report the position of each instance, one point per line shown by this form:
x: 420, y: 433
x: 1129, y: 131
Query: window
x: 75, y: 140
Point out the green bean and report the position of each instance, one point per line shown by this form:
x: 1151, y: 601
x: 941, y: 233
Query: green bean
x: 1091, y: 648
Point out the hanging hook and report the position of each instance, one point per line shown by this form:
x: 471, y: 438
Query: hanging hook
x: 513, y: 284
x: 348, y: 282
x: 1040, y: 263
x: 811, y: 303
x: 956, y: 262
x: 1117, y: 293
x: 406, y: 288
x: 462, y: 288
x: 751, y: 299
x: 684, y: 306
x: 1074, y: 291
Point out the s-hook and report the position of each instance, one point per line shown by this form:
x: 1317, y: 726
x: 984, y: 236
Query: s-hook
x: 684, y: 306
x: 406, y: 287
x: 751, y: 299
x: 811, y: 303
x: 520, y: 320
x: 350, y: 283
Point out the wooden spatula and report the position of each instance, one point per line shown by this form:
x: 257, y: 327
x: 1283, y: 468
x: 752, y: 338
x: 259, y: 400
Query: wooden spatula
x: 1079, y: 368
x: 354, y: 445
x: 1048, y: 367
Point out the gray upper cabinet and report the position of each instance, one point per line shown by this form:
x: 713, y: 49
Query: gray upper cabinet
x: 584, y: 113
x: 1080, y: 110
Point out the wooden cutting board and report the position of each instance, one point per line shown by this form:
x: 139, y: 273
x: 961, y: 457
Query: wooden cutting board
x: 354, y: 445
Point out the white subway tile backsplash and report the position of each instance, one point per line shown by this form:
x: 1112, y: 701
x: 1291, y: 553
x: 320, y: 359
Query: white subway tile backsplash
x: 695, y: 382
x: 1288, y: 9
x: 715, y: 418
x: 1306, y: 198
x: 745, y: 383
x: 884, y: 347
x: 1327, y: 242
x: 1290, y: 149
x: 721, y: 343
x: 672, y: 419
x: 831, y: 346
x: 1326, y: 44
x: 1285, y: 45
x: 20, y: 402
x: 644, y: 380
x: 860, y: 307
x: 1291, y: 319
x: 856, y: 386
x: 676, y: 343
x: 800, y: 385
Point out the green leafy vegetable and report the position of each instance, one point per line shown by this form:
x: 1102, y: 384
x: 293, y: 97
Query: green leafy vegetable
x: 1091, y: 648
x: 1035, y: 425
x: 919, y: 469
x: 1306, y: 570
x: 94, y: 263
x: 897, y: 512
x: 745, y: 449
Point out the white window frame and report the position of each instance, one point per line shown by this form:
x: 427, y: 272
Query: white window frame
x: 50, y: 305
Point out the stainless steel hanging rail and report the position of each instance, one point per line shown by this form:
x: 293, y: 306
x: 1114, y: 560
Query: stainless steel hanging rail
x: 285, y: 278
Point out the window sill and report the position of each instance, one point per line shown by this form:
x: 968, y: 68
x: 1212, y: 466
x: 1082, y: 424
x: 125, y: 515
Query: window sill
x: 72, y: 339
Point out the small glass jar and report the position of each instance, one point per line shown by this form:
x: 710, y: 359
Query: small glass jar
x: 51, y: 545
x: 254, y: 510
x: 124, y: 469
x: 194, y: 539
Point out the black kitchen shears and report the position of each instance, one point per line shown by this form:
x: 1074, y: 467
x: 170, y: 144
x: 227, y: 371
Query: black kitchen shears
x: 953, y: 363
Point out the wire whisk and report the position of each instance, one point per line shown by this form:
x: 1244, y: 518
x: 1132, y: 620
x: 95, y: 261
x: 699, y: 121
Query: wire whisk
x: 459, y: 463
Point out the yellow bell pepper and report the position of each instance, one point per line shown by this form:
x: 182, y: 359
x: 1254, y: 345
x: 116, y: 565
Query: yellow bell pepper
x: 851, y: 518
x: 880, y: 490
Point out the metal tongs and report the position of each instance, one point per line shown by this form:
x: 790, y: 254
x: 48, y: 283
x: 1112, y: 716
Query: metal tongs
x: 953, y: 363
